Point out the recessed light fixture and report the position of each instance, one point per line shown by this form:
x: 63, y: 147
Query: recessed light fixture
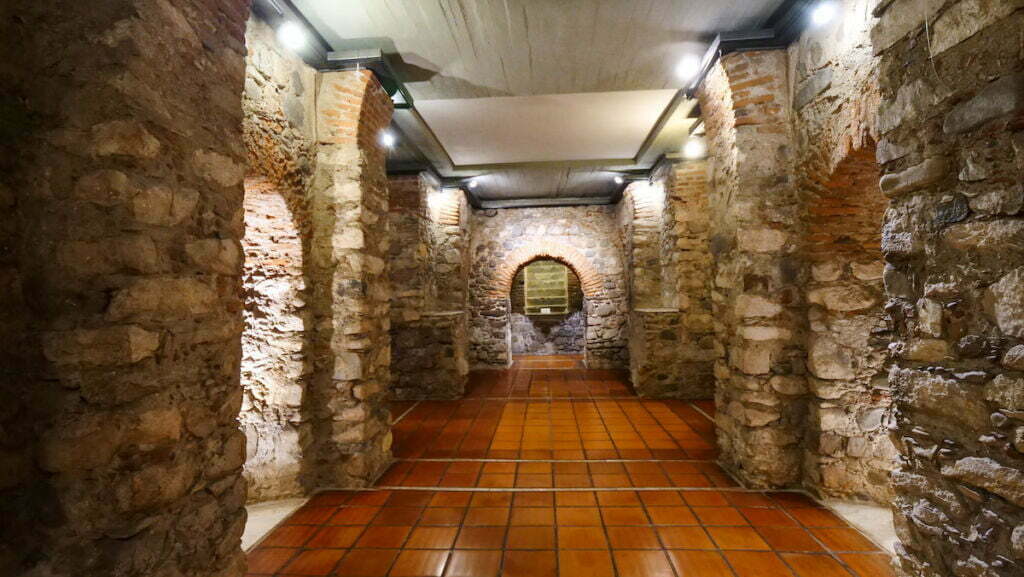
x: 823, y: 13
x: 695, y: 148
x: 619, y: 179
x: 292, y: 36
x: 387, y: 138
x: 688, y: 68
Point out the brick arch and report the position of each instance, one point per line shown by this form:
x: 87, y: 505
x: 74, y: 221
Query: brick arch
x: 591, y: 281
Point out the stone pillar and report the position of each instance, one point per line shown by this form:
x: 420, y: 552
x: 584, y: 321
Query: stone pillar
x: 122, y: 164
x: 754, y: 208
x: 428, y: 274
x: 351, y: 293
x: 952, y: 155
x: 672, y: 343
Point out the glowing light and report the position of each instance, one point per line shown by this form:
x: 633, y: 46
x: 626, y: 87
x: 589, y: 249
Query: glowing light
x: 387, y: 139
x: 292, y: 36
x: 694, y: 148
x: 472, y: 184
x: 823, y: 13
x: 688, y: 68
x: 619, y: 180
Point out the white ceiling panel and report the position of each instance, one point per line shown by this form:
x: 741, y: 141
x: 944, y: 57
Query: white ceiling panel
x: 477, y: 48
x: 556, y: 127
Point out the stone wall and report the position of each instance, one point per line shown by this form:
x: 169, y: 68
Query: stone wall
x: 952, y: 156
x: 350, y: 287
x: 549, y: 334
x: 276, y: 365
x: 584, y: 238
x: 672, y: 343
x: 835, y: 95
x: 122, y: 166
x: 758, y: 307
x: 428, y: 274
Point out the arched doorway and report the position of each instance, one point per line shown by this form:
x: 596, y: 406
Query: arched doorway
x: 849, y: 453
x: 547, y: 314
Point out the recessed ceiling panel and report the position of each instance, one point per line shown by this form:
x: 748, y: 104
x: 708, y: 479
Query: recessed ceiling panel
x: 555, y: 127
x: 477, y: 48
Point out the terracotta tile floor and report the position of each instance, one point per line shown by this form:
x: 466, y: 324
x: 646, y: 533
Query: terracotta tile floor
x: 585, y: 479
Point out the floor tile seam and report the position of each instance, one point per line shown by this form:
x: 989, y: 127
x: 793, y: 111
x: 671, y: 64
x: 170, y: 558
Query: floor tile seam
x: 486, y: 460
x: 701, y: 411
x: 405, y: 413
x: 828, y: 550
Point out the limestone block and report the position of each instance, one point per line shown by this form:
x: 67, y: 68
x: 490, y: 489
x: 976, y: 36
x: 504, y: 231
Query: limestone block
x: 157, y: 427
x: 158, y: 484
x: 217, y: 168
x: 103, y: 187
x: 1007, y: 297
x: 985, y: 236
x: 843, y: 298
x: 62, y: 450
x: 115, y: 345
x: 827, y: 359
x: 124, y: 137
x: 1006, y: 391
x: 826, y: 271
x: 940, y: 396
x: 761, y: 239
x: 914, y: 178
x: 965, y: 19
x: 1000, y: 98
x: 215, y: 255
x: 752, y: 359
x: 162, y: 298
x: 867, y: 271
x: 988, y: 474
x: 929, y: 315
x: 1014, y: 358
x: 926, y: 350
x: 761, y: 333
x: 162, y: 206
x: 756, y: 306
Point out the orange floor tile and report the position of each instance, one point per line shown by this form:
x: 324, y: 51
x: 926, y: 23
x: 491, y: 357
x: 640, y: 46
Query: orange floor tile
x: 543, y: 471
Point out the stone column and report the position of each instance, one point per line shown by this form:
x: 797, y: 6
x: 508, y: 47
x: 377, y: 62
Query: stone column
x: 754, y: 209
x: 122, y: 166
x: 952, y: 155
x: 349, y: 203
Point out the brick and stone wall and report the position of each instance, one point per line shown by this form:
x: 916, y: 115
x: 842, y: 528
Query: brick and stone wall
x: 350, y: 287
x: 429, y: 231
x: 563, y: 334
x: 584, y: 238
x: 952, y: 156
x: 757, y: 302
x: 835, y: 95
x: 276, y: 350
x: 665, y: 225
x: 122, y: 166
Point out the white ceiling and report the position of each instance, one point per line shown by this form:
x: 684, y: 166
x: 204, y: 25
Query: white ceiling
x: 478, y: 48
x: 538, y: 81
x: 554, y: 127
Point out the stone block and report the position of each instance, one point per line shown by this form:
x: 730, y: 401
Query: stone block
x: 1006, y: 391
x: 914, y: 178
x: 1007, y: 302
x: 116, y: 345
x: 988, y: 474
x: 162, y: 298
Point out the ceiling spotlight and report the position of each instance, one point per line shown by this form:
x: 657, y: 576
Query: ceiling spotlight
x: 619, y: 179
x: 472, y: 184
x: 694, y: 148
x: 688, y: 68
x: 387, y: 139
x: 292, y: 36
x: 823, y: 13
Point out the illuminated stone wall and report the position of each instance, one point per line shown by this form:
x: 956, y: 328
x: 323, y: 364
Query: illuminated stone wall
x: 584, y: 238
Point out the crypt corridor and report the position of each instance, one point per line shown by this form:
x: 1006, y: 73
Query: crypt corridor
x: 561, y: 471
x: 473, y: 288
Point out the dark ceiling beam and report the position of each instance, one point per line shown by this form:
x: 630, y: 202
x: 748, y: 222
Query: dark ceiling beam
x: 781, y: 29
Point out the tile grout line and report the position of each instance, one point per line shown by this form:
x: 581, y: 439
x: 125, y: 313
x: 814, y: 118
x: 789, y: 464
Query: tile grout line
x: 405, y: 412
